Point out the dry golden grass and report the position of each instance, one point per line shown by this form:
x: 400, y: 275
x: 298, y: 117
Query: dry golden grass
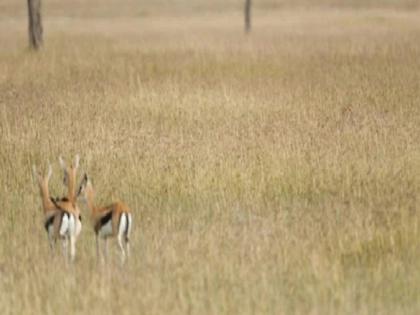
x: 271, y: 174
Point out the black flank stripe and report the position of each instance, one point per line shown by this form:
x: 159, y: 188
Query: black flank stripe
x: 103, y: 221
x: 48, y: 222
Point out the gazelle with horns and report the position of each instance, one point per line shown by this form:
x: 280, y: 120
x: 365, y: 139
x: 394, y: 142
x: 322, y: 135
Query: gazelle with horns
x: 69, y: 180
x: 60, y: 220
x: 114, y: 220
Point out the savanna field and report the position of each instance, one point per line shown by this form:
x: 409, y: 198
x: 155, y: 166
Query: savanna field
x: 274, y: 173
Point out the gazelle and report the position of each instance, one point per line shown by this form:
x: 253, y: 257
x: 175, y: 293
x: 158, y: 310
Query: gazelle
x: 60, y: 220
x: 70, y: 181
x: 111, y: 221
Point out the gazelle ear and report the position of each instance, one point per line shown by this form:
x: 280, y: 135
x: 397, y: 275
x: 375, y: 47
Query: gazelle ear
x: 76, y: 161
x: 85, y: 180
x: 88, y: 182
x: 62, y: 163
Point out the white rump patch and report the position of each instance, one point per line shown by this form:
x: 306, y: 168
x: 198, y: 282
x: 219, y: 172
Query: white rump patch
x: 123, y: 224
x: 68, y: 225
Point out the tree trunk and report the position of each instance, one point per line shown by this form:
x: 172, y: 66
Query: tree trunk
x: 35, y: 24
x: 247, y: 16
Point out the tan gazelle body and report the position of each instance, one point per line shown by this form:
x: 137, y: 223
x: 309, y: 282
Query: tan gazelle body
x: 114, y: 220
x: 59, y: 221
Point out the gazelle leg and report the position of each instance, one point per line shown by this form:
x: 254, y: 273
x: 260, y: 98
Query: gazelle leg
x: 72, y: 248
x: 120, y: 244
x: 51, y: 241
x: 106, y: 248
x: 98, y: 248
x: 65, y: 246
x: 127, y: 247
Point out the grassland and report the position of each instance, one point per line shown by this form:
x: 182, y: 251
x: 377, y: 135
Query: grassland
x: 271, y: 174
